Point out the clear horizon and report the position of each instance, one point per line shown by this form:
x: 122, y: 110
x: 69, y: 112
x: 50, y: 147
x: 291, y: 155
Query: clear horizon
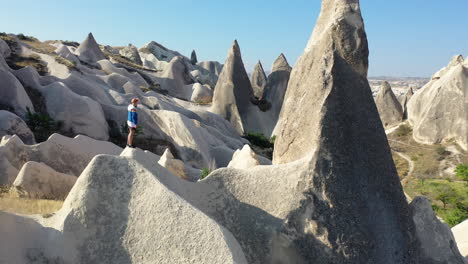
x: 410, y: 39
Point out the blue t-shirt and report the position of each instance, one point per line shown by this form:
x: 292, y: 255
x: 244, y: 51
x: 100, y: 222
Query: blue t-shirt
x: 132, y: 114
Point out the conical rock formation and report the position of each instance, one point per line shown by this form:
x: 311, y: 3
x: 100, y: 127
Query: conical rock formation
x: 233, y: 93
x: 258, y: 80
x: 390, y: 109
x: 89, y: 50
x: 439, y: 110
x: 131, y: 52
x: 276, y: 89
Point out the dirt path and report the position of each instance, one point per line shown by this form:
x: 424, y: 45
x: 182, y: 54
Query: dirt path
x: 410, y: 162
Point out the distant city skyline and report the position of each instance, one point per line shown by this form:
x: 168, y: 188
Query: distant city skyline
x: 406, y: 38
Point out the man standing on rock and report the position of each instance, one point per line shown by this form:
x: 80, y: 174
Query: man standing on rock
x: 132, y: 121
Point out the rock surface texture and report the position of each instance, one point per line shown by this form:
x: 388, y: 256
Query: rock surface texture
x: 11, y: 124
x: 460, y: 232
x: 37, y: 180
x: 244, y: 159
x: 275, y: 90
x: 111, y: 216
x: 390, y: 110
x: 258, y: 80
x: 439, y: 110
x: 131, y: 52
x: 437, y: 241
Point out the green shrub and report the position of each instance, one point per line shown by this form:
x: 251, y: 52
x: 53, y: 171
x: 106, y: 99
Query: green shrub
x: 403, y: 130
x: 258, y: 139
x: 21, y: 36
x: 204, y: 172
x: 272, y: 139
x: 42, y: 125
x: 455, y: 216
x: 462, y: 171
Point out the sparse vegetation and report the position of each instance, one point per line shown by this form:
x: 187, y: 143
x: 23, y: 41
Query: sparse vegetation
x: 126, y: 62
x: 124, y: 130
x: 18, y: 62
x: 449, y: 199
x: 70, y: 64
x: 204, y: 172
x: 448, y: 196
x: 258, y: 139
x: 9, y: 202
x: 462, y: 172
x: 42, y: 125
x: 144, y: 50
x: 403, y: 130
x: 401, y: 165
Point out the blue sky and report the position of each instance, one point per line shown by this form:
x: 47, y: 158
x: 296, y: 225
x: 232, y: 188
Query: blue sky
x: 406, y: 37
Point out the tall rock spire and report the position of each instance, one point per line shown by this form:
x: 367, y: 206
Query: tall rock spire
x: 355, y: 203
x: 258, y: 80
x: 275, y: 89
x: 233, y: 92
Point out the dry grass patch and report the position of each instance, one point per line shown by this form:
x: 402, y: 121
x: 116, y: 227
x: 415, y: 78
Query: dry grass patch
x: 37, y: 45
x: 401, y: 165
x: 18, y: 62
x: 126, y: 62
x: 10, y: 202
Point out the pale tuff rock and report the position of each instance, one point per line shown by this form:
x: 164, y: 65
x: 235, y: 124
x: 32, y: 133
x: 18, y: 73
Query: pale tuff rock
x: 201, y: 93
x: 79, y: 114
x: 331, y: 49
x: 65, y: 52
x: 460, y: 232
x: 63, y: 154
x: 233, y: 95
x: 131, y: 52
x: 37, y: 180
x: 162, y: 53
x: 111, y: 216
x: 244, y: 159
x: 390, y: 110
x: 193, y: 58
x: 454, y: 61
x: 258, y: 80
x: 436, y: 239
x: 175, y: 166
x: 405, y: 100
x: 439, y: 110
x: 4, y: 49
x: 89, y: 50
x: 133, y: 76
x: 175, y: 79
x: 110, y: 49
x: 275, y: 90
x: 11, y: 124
x: 213, y: 67
x: 13, y: 96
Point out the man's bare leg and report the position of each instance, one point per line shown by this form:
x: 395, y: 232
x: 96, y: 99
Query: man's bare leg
x: 130, y: 136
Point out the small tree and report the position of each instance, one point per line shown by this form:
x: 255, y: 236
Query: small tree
x: 445, y: 194
x: 462, y: 171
